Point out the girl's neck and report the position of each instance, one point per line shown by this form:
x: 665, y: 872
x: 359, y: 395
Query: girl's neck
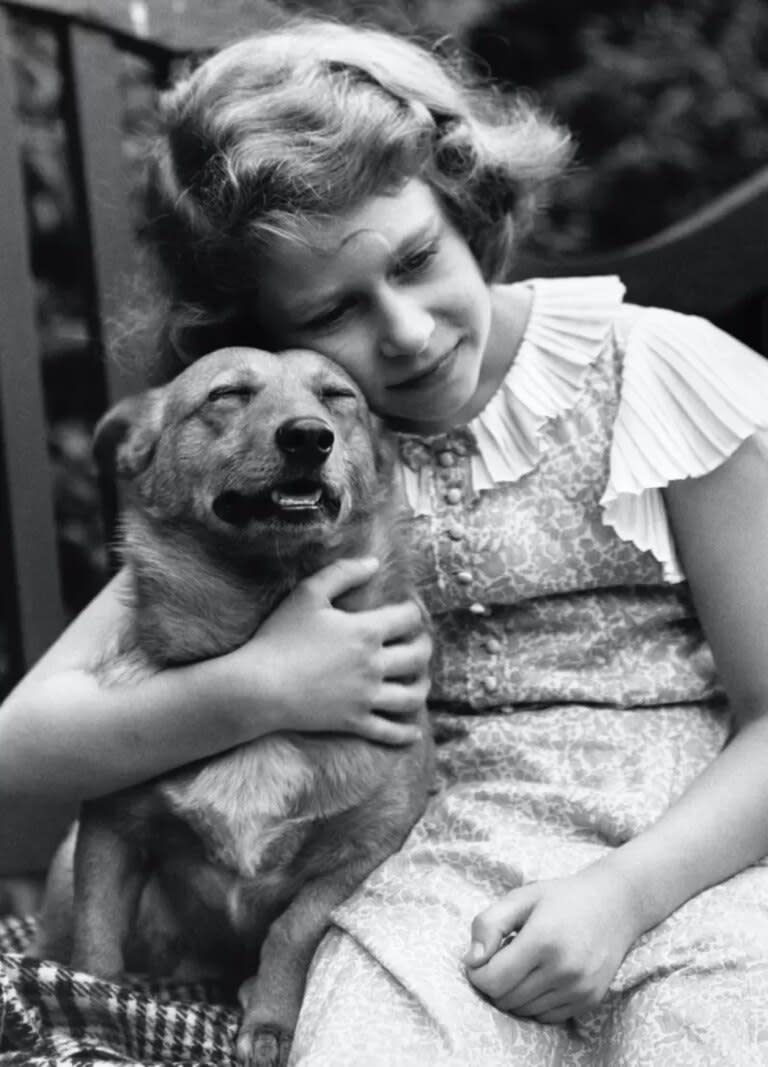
x: 510, y: 313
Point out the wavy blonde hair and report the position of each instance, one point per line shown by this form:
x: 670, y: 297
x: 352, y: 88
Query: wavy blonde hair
x: 297, y: 124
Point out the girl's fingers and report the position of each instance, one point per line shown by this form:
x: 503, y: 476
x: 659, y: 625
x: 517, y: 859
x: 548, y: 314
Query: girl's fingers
x: 551, y: 1000
x: 339, y: 577
x: 407, y: 660
x: 398, y: 698
x: 491, y: 926
x: 394, y: 622
x: 536, y: 986
x: 506, y: 969
x: 390, y: 731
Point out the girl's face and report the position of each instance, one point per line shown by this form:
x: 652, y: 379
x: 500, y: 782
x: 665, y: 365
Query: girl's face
x: 391, y: 292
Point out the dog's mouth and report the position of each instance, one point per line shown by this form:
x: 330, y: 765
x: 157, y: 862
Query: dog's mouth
x: 301, y: 500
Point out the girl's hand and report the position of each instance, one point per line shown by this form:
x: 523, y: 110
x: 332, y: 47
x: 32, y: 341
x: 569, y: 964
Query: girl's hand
x: 321, y: 668
x: 571, y: 935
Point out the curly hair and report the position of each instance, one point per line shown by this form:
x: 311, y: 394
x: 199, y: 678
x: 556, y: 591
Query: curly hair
x: 292, y: 126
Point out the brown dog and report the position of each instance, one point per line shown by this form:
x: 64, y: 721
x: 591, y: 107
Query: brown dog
x: 246, y: 473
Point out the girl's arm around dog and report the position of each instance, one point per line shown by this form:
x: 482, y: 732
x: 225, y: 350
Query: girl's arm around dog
x: 66, y: 736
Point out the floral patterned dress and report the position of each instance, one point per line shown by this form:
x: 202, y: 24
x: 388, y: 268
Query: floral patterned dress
x: 580, y: 696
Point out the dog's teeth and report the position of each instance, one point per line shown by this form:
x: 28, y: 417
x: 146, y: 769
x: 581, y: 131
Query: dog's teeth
x: 296, y: 500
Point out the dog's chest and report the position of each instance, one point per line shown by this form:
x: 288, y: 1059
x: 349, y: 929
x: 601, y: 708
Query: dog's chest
x: 245, y: 803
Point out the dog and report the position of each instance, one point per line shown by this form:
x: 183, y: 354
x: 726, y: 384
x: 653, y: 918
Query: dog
x: 246, y: 473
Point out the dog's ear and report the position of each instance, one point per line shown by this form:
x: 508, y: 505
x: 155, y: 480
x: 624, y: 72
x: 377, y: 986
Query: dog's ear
x: 124, y: 440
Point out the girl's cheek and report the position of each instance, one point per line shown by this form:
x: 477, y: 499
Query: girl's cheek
x: 352, y: 352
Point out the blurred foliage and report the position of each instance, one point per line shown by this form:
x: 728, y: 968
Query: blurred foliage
x: 668, y: 101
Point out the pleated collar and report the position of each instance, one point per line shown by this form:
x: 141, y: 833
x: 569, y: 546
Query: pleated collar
x: 569, y: 323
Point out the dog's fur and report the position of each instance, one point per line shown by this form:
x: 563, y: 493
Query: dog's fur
x: 234, y: 864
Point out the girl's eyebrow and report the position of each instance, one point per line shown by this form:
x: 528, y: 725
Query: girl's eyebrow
x: 426, y: 231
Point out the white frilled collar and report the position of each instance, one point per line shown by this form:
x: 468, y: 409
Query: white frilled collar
x: 690, y: 395
x: 569, y: 324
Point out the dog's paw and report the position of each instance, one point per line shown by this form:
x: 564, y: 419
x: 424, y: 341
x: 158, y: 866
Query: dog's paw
x: 262, y: 1046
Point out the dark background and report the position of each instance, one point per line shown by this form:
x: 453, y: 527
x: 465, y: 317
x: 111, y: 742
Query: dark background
x: 668, y: 102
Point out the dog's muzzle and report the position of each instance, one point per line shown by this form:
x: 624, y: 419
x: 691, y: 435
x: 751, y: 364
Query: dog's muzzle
x: 303, y: 495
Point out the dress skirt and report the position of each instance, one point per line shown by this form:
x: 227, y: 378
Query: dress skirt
x: 523, y: 796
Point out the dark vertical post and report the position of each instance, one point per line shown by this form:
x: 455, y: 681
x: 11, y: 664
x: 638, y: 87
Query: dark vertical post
x: 92, y: 64
x: 95, y: 108
x: 31, y: 590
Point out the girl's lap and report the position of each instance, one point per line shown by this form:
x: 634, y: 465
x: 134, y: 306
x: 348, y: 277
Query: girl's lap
x: 524, y: 797
x: 388, y: 987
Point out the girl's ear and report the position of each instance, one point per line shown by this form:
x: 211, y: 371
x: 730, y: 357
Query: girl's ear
x: 124, y: 440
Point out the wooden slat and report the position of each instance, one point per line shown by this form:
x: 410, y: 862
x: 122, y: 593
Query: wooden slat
x: 32, y: 596
x: 91, y: 69
x: 706, y: 264
x: 181, y: 26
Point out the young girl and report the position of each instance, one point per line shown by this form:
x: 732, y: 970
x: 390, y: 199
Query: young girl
x: 589, y: 494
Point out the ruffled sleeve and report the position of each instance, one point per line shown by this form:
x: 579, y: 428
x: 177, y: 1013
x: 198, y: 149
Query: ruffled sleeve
x: 690, y: 395
x: 569, y: 327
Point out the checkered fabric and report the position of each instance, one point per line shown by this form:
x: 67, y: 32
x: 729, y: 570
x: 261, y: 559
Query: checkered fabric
x: 51, y: 1016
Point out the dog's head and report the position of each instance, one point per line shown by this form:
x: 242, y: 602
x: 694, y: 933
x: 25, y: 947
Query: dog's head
x: 250, y: 447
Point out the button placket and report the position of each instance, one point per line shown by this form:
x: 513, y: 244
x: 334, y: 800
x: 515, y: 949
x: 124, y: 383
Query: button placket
x: 451, y: 472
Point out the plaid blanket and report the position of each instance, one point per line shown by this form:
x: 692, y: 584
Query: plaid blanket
x: 51, y: 1016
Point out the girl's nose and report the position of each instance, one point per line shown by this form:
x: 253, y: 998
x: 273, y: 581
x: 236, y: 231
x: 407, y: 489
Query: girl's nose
x: 406, y: 328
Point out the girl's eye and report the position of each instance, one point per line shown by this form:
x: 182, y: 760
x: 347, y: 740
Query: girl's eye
x: 328, y: 319
x: 417, y: 261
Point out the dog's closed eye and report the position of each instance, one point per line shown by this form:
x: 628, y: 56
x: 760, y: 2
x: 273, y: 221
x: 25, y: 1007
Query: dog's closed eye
x: 230, y: 392
x: 338, y: 393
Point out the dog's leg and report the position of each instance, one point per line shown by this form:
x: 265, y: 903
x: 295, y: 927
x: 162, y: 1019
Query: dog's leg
x: 271, y: 1000
x: 108, y: 882
x: 53, y: 940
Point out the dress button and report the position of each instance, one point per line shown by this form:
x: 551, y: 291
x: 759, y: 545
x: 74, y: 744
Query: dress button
x: 478, y: 609
x: 455, y: 533
x: 464, y: 577
x: 493, y: 645
x: 453, y: 495
x: 446, y: 459
x: 490, y: 684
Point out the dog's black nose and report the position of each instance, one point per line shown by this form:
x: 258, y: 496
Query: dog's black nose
x: 308, y: 439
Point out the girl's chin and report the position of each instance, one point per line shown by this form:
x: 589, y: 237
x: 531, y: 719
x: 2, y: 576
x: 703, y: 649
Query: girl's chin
x: 428, y: 420
x: 435, y: 410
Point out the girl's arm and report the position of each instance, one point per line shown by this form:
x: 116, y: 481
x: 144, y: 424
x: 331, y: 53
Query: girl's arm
x: 574, y: 932
x: 720, y: 824
x: 65, y: 737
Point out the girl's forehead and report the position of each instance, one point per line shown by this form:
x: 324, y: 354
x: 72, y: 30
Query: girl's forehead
x: 385, y: 220
x: 368, y: 238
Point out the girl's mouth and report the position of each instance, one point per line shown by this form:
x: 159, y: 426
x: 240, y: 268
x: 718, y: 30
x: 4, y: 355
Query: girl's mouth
x: 425, y: 379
